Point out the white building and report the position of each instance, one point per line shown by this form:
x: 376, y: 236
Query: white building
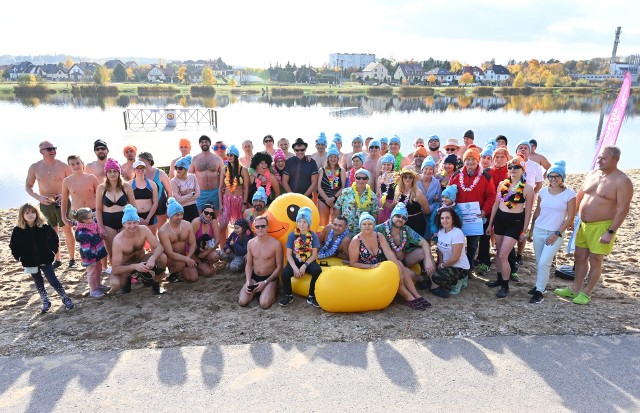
x: 347, y: 60
x: 374, y: 71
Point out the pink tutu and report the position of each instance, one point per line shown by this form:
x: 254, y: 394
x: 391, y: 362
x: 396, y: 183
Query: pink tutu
x: 385, y: 213
x: 231, y: 209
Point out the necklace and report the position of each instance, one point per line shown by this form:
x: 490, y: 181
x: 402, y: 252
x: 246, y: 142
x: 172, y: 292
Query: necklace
x: 473, y: 184
x: 398, y: 165
x: 302, y: 248
x: 267, y: 187
x: 333, y: 177
x: 403, y: 238
x: 367, y: 194
x: 231, y: 186
x: 511, y: 197
x: 179, y: 228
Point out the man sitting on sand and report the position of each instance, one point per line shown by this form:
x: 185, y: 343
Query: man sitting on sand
x: 179, y: 243
x: 259, y: 201
x: 603, y: 204
x: 335, y: 240
x: 128, y: 254
x: 264, y: 263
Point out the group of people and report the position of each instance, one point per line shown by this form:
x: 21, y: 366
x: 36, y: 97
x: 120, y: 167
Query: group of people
x: 134, y: 221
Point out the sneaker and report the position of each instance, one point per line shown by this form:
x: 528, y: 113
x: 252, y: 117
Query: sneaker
x: 533, y: 291
x: 416, y: 304
x: 581, y: 299
x: 68, y: 304
x: 286, y: 300
x: 56, y: 264
x: 45, y: 307
x: 483, y: 268
x: 515, y: 277
x: 73, y: 264
x: 519, y: 259
x: 536, y: 297
x: 312, y: 300
x: 440, y: 292
x: 565, y: 292
x: 107, y: 270
x: 104, y: 287
x: 96, y: 294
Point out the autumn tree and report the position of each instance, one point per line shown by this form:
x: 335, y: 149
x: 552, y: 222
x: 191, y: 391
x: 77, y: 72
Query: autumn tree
x: 102, y: 76
x: 456, y: 66
x: 466, y: 79
x: 182, y: 70
x: 27, y: 80
x: 519, y: 80
x: 431, y: 79
x: 208, y: 77
x: 551, y: 81
x: 68, y: 63
x: 233, y: 83
x: 130, y: 74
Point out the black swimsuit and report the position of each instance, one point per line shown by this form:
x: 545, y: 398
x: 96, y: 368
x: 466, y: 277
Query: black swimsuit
x: 122, y: 201
x: 113, y: 219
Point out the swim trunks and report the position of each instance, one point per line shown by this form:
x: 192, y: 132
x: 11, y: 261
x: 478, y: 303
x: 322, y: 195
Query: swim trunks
x: 208, y: 196
x: 589, y: 235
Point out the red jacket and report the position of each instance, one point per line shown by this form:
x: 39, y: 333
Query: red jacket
x: 498, y: 174
x: 484, y: 192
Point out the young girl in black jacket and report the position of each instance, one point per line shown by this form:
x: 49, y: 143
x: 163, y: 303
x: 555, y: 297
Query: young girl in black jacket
x: 34, y: 243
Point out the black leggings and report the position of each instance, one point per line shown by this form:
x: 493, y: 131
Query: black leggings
x: 313, y: 269
x: 50, y: 274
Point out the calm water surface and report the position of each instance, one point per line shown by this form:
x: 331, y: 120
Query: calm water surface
x: 566, y: 127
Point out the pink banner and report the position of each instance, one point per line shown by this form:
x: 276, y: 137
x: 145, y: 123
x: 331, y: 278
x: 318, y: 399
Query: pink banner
x: 609, y: 134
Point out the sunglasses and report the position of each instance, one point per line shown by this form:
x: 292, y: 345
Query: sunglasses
x: 299, y: 150
x: 140, y: 168
x: 219, y: 147
x: 511, y: 167
x: 450, y: 149
x: 100, y: 149
x: 259, y: 226
x: 268, y: 141
x: 50, y: 149
x: 553, y: 176
x: 361, y: 178
x: 208, y: 213
x: 374, y: 147
x: 407, y: 176
x: 180, y: 168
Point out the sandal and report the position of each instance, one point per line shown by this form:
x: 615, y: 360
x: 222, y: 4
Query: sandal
x: 416, y: 304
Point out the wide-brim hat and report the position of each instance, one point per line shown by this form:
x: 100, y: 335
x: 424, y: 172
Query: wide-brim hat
x: 299, y: 142
x: 451, y: 142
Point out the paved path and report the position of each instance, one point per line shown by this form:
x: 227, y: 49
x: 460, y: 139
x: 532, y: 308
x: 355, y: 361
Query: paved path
x: 497, y: 374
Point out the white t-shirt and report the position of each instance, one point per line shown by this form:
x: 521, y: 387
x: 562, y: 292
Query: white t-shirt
x: 534, y: 173
x: 553, y: 208
x: 445, y: 243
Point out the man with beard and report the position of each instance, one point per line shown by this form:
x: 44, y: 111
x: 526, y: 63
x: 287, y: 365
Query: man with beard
x: 129, y: 255
x: 372, y: 163
x: 335, y: 240
x: 259, y: 202
x: 220, y: 149
x: 130, y: 153
x: 209, y: 171
x: 49, y: 173
x: 96, y: 167
x: 433, y: 150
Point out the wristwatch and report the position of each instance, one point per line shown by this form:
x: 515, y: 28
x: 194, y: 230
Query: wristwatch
x: 558, y: 233
x: 610, y: 231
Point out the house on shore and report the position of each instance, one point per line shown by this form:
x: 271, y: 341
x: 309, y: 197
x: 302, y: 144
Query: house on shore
x: 374, y: 71
x: 441, y: 75
x: 52, y: 72
x: 409, y: 72
x: 159, y: 74
x: 496, y: 74
x: 83, y: 71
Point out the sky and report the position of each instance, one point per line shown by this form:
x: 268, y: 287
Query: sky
x: 259, y: 33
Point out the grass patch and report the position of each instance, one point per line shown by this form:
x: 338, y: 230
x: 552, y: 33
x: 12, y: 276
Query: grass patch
x: 88, y: 90
x: 513, y: 91
x: 577, y: 90
x: 380, y: 91
x: 483, y: 91
x: 24, y: 90
x: 416, y: 91
x: 287, y: 91
x: 157, y: 90
x: 449, y: 91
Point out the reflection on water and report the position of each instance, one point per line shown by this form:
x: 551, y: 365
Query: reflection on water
x: 358, y: 105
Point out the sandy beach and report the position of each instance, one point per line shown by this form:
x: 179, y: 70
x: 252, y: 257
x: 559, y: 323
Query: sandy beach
x: 207, y: 313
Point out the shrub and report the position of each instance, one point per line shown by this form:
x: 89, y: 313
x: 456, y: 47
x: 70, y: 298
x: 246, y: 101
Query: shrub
x: 380, y: 91
x: 204, y: 91
x: 509, y: 91
x: 416, y: 91
x: 87, y: 90
x: 32, y: 90
x: 483, y: 91
x: 287, y: 91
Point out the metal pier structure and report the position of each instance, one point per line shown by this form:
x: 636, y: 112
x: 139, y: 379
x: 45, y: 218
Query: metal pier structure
x: 166, y: 119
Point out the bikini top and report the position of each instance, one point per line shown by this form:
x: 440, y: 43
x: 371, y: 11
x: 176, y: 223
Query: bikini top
x: 199, y: 231
x: 122, y: 201
x: 366, y: 257
x: 142, y: 193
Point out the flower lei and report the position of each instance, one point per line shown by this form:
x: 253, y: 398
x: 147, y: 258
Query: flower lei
x: 278, y: 174
x: 398, y: 165
x: 331, y: 245
x: 227, y: 181
x: 352, y: 176
x: 333, y: 177
x: 267, y: 187
x: 509, y: 196
x: 368, y: 194
x: 473, y: 184
x: 388, y: 178
x: 403, y: 238
x: 302, y: 248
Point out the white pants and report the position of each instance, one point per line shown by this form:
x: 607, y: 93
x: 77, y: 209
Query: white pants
x: 544, y: 255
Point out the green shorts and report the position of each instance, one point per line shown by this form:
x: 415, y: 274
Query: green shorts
x: 589, y: 235
x: 53, y: 214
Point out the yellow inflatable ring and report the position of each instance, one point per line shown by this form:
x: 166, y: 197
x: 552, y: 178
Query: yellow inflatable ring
x: 344, y: 289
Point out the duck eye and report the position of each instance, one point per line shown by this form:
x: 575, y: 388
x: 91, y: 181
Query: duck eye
x: 292, y: 212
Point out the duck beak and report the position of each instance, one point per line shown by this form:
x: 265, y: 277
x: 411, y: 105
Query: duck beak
x: 276, y: 228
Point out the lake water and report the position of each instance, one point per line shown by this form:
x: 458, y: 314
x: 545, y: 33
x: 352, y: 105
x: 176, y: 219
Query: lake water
x: 566, y: 127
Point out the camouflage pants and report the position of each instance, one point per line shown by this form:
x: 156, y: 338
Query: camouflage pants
x: 448, y: 277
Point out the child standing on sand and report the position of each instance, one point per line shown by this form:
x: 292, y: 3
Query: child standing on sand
x: 35, y: 244
x: 92, y: 250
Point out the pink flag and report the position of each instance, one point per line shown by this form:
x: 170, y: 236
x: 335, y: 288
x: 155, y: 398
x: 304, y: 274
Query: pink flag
x: 610, y: 133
